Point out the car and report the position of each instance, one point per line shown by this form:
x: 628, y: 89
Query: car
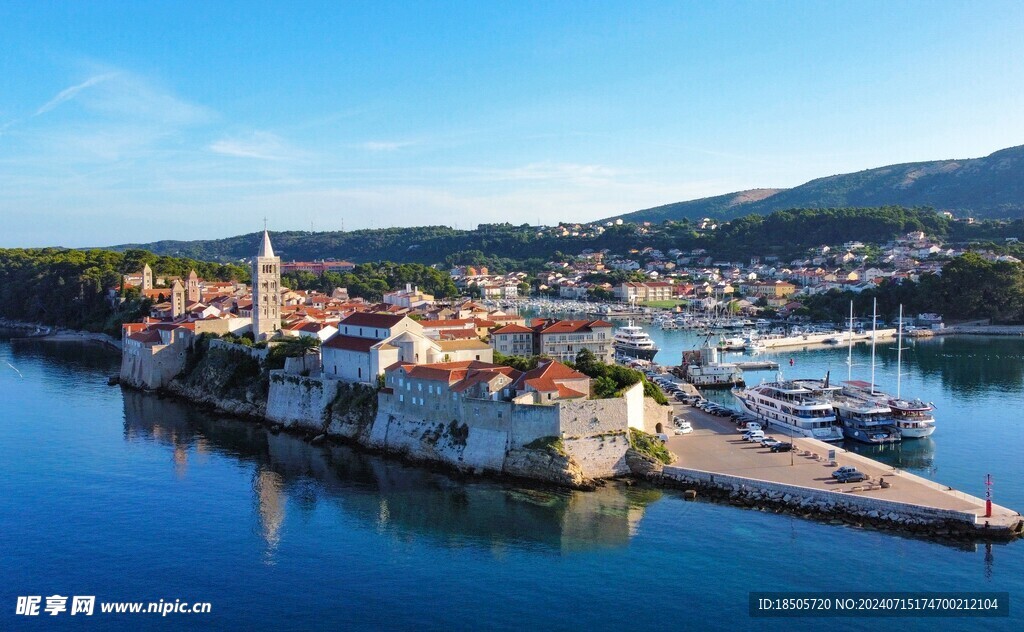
x: 754, y: 436
x: 849, y: 474
x: 662, y: 437
x: 782, y: 446
x: 684, y: 428
x: 770, y: 442
x: 751, y: 426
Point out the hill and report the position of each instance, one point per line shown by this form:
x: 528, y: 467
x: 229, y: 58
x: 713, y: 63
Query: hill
x: 989, y: 187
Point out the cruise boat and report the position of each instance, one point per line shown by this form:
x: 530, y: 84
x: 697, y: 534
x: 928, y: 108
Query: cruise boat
x: 803, y: 407
x: 634, y: 342
x: 864, y: 419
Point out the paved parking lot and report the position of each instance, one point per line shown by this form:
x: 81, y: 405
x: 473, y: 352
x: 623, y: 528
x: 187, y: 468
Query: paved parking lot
x: 715, y: 445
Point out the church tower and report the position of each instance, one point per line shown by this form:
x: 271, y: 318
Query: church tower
x: 177, y: 300
x: 147, y: 278
x: 266, y: 291
x: 193, y: 287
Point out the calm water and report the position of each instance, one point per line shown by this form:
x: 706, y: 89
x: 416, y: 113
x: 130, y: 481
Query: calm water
x: 126, y: 496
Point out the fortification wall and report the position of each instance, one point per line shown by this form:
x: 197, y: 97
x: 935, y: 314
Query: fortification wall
x: 301, y: 401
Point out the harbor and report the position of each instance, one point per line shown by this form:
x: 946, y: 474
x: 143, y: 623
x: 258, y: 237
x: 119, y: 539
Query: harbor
x: 715, y: 457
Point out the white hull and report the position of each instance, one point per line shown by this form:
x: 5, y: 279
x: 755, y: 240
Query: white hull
x: 832, y: 434
x: 917, y: 433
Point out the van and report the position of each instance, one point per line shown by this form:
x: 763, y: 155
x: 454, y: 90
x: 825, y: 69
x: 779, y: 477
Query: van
x: 751, y: 425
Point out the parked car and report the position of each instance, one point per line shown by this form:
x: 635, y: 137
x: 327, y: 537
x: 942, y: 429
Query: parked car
x: 782, y: 447
x: 849, y: 474
x: 770, y: 442
x: 684, y: 428
x: 752, y: 425
x: 753, y: 435
x: 662, y: 437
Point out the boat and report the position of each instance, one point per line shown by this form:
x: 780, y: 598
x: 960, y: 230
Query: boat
x: 864, y: 419
x: 911, y: 418
x: 804, y: 407
x: 632, y: 341
x: 701, y: 367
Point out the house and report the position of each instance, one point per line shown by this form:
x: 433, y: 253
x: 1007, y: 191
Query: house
x: 410, y: 298
x: 551, y: 381
x: 515, y: 340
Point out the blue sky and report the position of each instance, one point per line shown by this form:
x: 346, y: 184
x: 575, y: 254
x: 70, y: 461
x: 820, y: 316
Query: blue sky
x: 123, y: 122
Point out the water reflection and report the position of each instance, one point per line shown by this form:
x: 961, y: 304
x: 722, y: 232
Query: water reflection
x: 910, y: 454
x: 393, y: 497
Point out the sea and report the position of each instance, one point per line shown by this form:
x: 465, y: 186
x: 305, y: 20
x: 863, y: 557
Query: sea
x: 130, y: 497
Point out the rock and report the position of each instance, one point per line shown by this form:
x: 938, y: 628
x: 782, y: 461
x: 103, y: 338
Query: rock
x: 690, y: 494
x: 787, y: 498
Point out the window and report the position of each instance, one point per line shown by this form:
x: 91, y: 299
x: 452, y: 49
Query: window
x: 401, y: 398
x: 359, y: 372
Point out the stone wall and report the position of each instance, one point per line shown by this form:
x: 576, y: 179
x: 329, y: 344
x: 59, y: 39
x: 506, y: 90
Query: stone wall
x: 600, y: 456
x: 817, y: 499
x: 301, y: 401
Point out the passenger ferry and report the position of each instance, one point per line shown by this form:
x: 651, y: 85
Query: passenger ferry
x: 804, y: 407
x: 634, y: 342
x: 864, y: 419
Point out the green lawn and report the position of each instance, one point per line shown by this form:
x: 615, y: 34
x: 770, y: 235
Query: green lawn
x: 662, y: 304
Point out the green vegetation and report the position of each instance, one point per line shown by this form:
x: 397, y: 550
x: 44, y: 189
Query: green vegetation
x: 353, y: 403
x: 505, y: 247
x: 552, y: 444
x: 661, y: 304
x: 969, y: 287
x: 371, y: 280
x: 68, y: 288
x: 649, y: 445
x: 981, y: 187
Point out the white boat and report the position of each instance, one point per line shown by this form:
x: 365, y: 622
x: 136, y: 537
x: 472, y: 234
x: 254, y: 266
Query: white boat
x: 803, y: 407
x: 632, y: 341
x: 701, y: 367
x: 912, y: 418
x: 864, y: 419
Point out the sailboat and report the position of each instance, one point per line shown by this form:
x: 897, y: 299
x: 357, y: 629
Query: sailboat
x: 864, y: 416
x: 912, y: 418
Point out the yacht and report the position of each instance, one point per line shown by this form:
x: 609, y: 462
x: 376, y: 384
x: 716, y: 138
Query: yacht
x: 911, y: 418
x: 634, y: 342
x: 864, y: 419
x: 803, y: 407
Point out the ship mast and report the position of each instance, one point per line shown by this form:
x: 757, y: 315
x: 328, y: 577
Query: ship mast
x: 874, y: 326
x: 849, y: 349
x: 899, y: 354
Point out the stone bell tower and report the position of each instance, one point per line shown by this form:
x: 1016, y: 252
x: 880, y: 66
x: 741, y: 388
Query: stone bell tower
x: 266, y: 291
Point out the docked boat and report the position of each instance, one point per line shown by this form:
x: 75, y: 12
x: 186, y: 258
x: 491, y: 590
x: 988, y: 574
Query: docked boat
x: 911, y: 418
x: 864, y: 419
x: 702, y: 367
x: 632, y: 341
x: 803, y: 407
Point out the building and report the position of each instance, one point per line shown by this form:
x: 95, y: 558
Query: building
x: 778, y: 289
x: 558, y: 339
x: 266, y: 291
x: 317, y: 267
x: 514, y: 340
x: 644, y: 292
x: 367, y: 343
x: 409, y: 298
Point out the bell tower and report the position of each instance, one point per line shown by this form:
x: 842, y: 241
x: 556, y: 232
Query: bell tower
x: 266, y: 291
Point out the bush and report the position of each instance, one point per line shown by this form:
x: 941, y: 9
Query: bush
x: 649, y: 445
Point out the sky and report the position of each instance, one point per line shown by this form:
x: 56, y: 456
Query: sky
x: 142, y: 121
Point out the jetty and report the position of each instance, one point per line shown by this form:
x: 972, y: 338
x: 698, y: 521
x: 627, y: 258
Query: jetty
x: 716, y: 459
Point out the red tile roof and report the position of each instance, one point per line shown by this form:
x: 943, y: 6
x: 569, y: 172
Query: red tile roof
x: 367, y: 319
x: 513, y: 329
x: 350, y: 343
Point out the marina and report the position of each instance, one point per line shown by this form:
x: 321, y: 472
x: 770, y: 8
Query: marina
x: 716, y: 450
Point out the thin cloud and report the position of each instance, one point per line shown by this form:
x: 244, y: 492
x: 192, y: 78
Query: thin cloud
x: 258, y: 145
x: 384, y: 145
x: 69, y: 93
